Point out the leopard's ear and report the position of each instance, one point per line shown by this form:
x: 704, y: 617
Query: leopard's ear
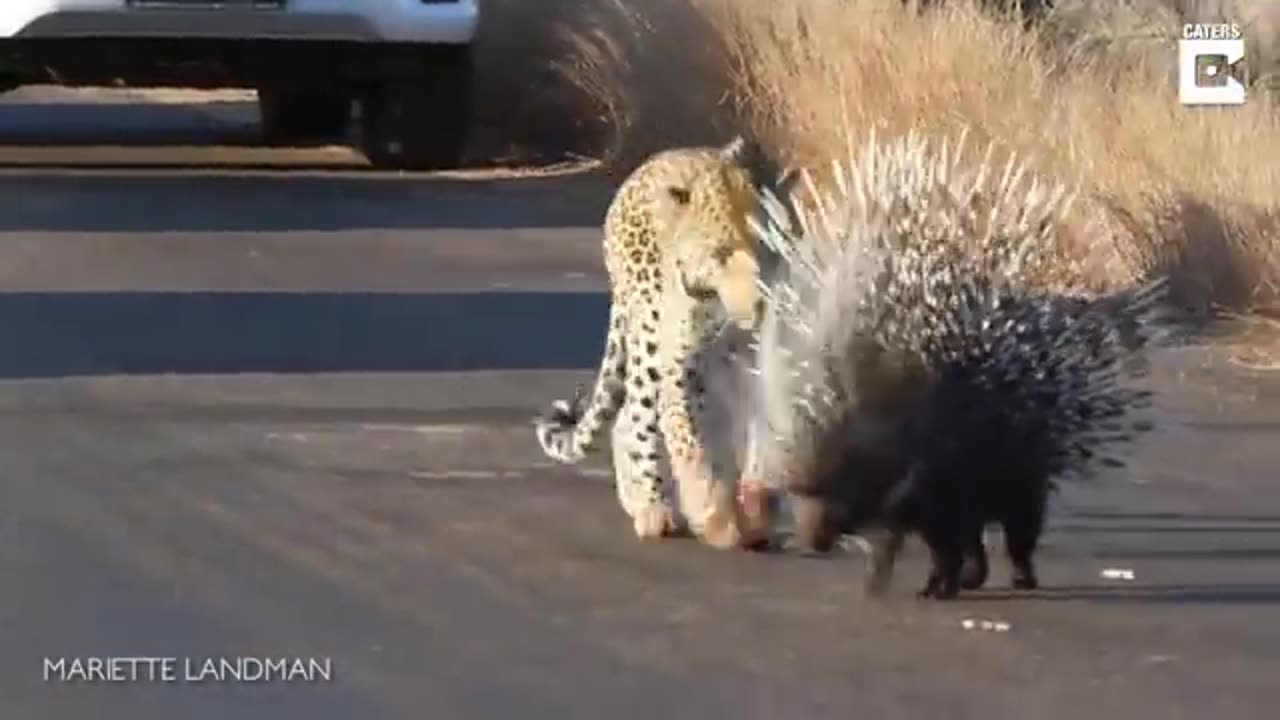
x: 749, y: 154
x: 738, y: 150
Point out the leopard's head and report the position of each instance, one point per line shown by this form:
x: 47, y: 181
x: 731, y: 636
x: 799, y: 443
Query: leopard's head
x: 706, y: 222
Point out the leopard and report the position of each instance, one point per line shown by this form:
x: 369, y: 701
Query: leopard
x: 685, y: 274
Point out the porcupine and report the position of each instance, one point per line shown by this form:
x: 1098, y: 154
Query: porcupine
x: 912, y: 379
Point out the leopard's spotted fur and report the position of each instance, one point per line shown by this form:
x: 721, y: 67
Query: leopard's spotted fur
x: 683, y: 269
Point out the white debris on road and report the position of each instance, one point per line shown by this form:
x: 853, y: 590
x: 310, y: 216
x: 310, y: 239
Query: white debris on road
x: 988, y: 625
x: 1117, y: 574
x: 296, y: 437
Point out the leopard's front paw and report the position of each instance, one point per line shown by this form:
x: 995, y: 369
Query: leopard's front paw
x: 655, y: 521
x: 755, y: 511
x: 719, y: 529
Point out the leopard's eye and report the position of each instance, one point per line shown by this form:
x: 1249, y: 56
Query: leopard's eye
x: 721, y: 254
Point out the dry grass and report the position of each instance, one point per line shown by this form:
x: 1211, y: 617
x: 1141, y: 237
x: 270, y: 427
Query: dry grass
x: 1088, y: 97
x: 1192, y: 192
x: 604, y: 78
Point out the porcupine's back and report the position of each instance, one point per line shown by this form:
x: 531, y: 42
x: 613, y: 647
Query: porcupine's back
x: 1026, y: 388
x: 913, y: 259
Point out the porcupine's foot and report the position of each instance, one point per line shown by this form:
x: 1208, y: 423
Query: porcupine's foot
x: 930, y: 586
x: 944, y: 576
x: 877, y: 583
x: 655, y: 521
x: 1024, y: 577
x: 1021, y: 535
x: 1025, y: 582
x: 938, y: 587
x: 974, y: 575
x: 884, y: 554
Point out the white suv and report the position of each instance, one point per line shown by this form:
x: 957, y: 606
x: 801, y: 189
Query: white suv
x: 407, y: 62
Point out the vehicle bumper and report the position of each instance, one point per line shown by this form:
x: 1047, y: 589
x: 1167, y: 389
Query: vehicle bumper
x: 399, y: 21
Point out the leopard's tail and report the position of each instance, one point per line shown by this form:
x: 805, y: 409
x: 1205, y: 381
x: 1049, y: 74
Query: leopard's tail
x: 570, y: 429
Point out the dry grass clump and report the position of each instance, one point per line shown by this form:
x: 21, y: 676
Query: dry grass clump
x: 1088, y: 96
x: 1164, y: 188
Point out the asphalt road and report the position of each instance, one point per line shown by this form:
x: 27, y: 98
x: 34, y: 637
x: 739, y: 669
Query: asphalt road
x: 267, y: 413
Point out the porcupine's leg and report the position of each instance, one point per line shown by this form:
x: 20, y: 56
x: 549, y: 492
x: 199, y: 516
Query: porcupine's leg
x: 885, y: 547
x: 1021, y: 535
x: 975, y: 568
x: 946, y: 549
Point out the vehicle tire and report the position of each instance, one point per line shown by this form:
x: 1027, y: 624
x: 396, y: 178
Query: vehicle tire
x: 420, y: 119
x: 290, y: 116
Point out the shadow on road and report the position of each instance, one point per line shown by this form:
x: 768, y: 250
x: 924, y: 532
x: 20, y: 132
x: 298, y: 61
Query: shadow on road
x: 1200, y: 553
x: 1174, y: 517
x: 1209, y: 524
x: 1219, y: 594
x: 132, y: 124
x: 1167, y: 535
x: 95, y: 333
x: 129, y: 202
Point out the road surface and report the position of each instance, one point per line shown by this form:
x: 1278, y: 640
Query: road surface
x: 284, y: 414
